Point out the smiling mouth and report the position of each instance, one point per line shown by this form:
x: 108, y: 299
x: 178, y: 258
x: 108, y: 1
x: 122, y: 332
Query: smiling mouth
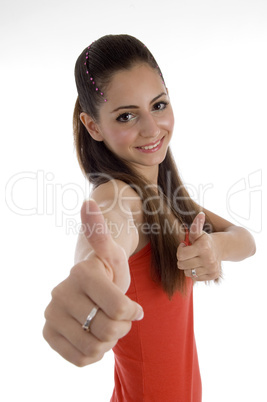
x: 151, y: 146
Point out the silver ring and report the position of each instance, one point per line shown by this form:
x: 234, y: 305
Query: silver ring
x: 86, y: 325
x: 194, y: 274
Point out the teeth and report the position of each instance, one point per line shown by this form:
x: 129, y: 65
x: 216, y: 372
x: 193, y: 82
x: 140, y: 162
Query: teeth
x: 151, y: 146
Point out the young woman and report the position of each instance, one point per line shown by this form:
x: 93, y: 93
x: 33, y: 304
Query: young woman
x: 144, y: 241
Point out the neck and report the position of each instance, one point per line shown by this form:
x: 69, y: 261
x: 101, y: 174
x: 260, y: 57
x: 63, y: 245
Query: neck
x: 150, y: 173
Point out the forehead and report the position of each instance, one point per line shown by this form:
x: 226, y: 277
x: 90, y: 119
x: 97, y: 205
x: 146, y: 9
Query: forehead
x: 141, y: 79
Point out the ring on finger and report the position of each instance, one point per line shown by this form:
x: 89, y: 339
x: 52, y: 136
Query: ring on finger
x: 88, y: 321
x: 193, y: 273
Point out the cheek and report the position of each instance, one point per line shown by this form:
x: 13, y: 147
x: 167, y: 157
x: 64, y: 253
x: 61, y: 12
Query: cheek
x: 167, y: 121
x: 119, y: 138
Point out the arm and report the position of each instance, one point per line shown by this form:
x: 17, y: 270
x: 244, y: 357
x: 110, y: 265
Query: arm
x: 99, y: 278
x: 233, y: 243
x: 227, y: 242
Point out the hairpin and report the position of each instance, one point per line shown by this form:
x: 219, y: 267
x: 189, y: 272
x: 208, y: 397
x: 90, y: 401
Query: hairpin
x: 87, y: 72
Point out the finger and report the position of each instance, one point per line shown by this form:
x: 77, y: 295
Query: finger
x: 102, y: 327
x: 186, y: 252
x: 108, y: 330
x: 202, y: 275
x: 95, y: 228
x: 200, y: 271
x: 191, y: 263
x: 111, y: 254
x: 84, y: 341
x: 204, y: 278
x: 104, y: 293
x: 66, y: 349
x: 196, y: 229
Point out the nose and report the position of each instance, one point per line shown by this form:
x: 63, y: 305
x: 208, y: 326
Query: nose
x: 149, y: 127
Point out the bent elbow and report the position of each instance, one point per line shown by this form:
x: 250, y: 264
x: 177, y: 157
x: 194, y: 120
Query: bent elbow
x: 254, y: 249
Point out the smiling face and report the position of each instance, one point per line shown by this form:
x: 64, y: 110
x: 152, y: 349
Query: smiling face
x: 137, y: 121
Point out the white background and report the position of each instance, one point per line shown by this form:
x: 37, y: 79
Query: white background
x: 213, y: 56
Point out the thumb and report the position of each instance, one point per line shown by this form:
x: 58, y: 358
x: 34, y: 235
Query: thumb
x: 196, y: 229
x: 106, y: 249
x: 95, y: 227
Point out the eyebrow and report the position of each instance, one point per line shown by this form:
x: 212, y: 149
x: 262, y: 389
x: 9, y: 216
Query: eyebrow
x: 136, y: 107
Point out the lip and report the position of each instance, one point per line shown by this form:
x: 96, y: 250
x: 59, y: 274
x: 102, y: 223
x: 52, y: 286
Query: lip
x: 155, y: 149
x: 148, y: 145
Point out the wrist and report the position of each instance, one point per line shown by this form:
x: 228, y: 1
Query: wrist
x: 221, y: 239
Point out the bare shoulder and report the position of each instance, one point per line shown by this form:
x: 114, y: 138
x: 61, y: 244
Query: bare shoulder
x: 118, y: 195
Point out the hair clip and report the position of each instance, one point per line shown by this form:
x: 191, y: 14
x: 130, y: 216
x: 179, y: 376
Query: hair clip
x: 87, y: 72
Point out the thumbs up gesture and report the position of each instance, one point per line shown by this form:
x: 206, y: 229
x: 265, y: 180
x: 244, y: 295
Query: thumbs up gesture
x: 200, y: 260
x: 112, y: 255
x: 89, y: 311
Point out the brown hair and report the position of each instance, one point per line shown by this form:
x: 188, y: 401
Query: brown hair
x: 107, y: 56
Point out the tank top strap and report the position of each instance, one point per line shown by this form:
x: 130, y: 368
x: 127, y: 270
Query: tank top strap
x: 186, y: 240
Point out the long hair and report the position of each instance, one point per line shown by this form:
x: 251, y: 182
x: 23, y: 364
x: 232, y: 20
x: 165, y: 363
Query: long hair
x: 164, y: 206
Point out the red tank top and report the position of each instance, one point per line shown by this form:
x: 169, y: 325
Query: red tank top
x: 157, y: 360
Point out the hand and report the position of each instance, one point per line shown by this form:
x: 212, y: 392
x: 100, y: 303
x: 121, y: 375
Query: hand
x: 94, y: 281
x: 202, y: 255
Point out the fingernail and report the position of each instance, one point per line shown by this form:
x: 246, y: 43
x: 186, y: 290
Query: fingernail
x: 140, y: 314
x: 182, y: 244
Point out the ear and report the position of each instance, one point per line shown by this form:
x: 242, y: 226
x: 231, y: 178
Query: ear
x: 91, y: 126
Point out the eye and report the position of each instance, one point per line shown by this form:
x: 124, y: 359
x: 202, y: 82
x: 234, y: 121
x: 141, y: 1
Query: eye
x: 160, y: 105
x: 125, y: 117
